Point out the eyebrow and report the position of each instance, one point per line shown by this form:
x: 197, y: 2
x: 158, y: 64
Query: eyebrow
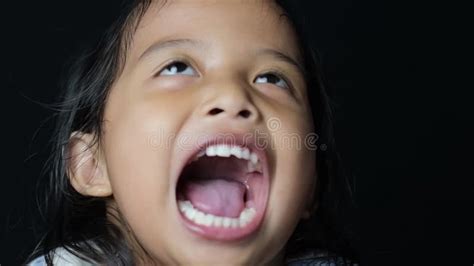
x: 161, y: 45
x: 156, y: 47
x: 281, y: 57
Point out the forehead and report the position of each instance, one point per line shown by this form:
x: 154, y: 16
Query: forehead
x: 230, y: 23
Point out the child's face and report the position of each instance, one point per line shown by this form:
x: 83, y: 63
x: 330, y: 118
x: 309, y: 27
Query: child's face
x: 157, y: 116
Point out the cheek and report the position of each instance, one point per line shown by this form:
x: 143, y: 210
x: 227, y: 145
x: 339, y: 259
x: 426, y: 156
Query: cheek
x: 293, y: 178
x: 137, y: 158
x: 138, y: 138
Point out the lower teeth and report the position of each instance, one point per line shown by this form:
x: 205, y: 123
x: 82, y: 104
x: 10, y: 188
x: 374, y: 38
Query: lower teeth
x: 206, y: 219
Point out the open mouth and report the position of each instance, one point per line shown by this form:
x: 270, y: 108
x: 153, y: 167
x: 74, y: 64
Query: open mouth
x: 222, y: 191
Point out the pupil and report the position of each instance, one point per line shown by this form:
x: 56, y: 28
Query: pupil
x: 180, y: 67
x: 272, y: 78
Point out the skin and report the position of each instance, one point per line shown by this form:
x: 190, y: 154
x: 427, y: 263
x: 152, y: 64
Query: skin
x: 136, y: 154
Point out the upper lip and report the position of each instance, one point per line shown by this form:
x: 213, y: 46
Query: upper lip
x: 183, y: 156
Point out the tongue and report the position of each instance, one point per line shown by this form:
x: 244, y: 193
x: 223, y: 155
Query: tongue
x: 216, y: 196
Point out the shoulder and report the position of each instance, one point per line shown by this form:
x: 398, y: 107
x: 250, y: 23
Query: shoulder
x: 60, y: 257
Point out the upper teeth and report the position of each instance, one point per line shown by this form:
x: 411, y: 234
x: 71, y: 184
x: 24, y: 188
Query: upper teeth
x: 225, y: 150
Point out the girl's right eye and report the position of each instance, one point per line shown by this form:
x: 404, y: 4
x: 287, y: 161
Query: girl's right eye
x: 177, y: 68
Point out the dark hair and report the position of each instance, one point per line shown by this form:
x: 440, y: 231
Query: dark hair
x: 82, y: 224
x: 332, y: 227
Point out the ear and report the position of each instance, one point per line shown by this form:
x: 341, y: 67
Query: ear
x: 86, y: 167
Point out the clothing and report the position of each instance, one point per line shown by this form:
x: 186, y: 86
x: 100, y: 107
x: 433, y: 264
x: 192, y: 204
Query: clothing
x: 317, y: 259
x: 63, y: 257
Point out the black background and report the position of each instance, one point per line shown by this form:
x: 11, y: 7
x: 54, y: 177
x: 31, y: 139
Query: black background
x: 404, y: 121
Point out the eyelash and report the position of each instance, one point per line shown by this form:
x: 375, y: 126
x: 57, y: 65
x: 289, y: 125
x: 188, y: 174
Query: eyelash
x: 276, y: 74
x: 281, y: 77
x: 173, y: 63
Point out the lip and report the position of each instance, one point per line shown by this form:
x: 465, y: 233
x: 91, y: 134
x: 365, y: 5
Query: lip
x: 219, y: 233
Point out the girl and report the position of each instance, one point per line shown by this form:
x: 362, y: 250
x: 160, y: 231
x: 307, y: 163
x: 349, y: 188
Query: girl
x: 188, y: 137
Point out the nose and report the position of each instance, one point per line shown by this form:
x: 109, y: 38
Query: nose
x: 231, y: 101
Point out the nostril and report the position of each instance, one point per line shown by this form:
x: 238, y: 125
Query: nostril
x: 215, y: 111
x: 245, y: 113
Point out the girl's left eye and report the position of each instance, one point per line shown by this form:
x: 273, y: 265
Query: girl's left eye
x: 177, y: 68
x: 272, y: 78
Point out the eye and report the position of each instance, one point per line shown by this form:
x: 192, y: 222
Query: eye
x: 272, y: 78
x: 177, y: 68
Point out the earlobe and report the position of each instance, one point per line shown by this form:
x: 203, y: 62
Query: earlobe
x: 86, y: 167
